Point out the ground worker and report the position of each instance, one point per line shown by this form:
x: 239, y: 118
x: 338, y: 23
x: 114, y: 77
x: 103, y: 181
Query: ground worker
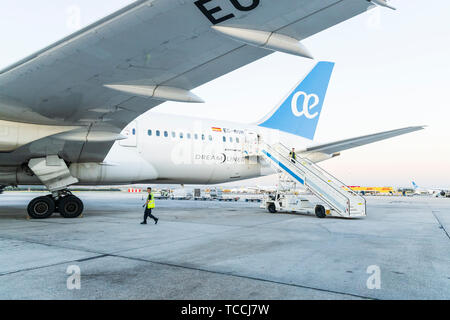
x: 293, y: 155
x: 149, y: 205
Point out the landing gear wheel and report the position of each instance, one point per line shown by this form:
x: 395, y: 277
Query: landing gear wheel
x: 41, y: 207
x: 320, y: 212
x: 70, y: 207
x: 271, y: 207
x: 55, y: 201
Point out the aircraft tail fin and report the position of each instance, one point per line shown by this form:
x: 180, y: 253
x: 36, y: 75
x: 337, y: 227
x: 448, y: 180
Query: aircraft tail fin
x: 299, y: 113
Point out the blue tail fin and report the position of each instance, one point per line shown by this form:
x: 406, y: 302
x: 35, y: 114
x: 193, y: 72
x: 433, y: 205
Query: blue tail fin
x: 299, y: 113
x: 415, y: 185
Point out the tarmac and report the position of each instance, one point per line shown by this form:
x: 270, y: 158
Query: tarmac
x: 224, y: 250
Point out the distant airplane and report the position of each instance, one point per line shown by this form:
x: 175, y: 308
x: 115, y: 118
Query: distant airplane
x: 442, y: 192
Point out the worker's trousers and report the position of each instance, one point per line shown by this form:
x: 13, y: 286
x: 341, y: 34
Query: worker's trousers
x: 148, y: 214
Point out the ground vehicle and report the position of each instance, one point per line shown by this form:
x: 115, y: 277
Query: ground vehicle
x: 285, y: 202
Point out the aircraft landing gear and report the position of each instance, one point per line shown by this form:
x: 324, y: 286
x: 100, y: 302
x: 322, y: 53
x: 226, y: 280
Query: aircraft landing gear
x: 70, y: 207
x: 63, y: 202
x: 41, y: 207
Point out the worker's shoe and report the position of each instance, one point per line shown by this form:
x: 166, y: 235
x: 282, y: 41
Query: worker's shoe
x: 156, y: 221
x: 143, y: 222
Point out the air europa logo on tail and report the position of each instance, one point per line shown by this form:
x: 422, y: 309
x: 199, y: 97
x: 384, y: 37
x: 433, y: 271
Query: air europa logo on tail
x: 299, y: 113
x: 310, y: 101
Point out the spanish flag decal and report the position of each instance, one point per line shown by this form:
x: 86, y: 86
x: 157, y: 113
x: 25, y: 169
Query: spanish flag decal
x: 215, y: 129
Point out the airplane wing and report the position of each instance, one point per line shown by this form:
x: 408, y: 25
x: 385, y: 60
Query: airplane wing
x: 102, y: 77
x: 338, y: 146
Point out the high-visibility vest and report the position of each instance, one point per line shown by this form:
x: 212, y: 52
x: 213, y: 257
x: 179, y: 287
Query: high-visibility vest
x: 293, y: 155
x: 151, y: 201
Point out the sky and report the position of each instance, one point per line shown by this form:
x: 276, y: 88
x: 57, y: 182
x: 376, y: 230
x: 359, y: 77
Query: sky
x: 392, y: 70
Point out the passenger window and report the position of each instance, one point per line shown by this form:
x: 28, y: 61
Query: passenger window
x: 174, y: 135
x: 224, y: 139
x: 210, y: 138
x: 203, y: 137
x: 166, y: 134
x: 188, y: 136
x: 196, y: 136
x: 149, y: 132
x: 237, y: 140
x: 181, y: 135
x: 134, y: 132
x: 231, y: 139
x: 158, y: 133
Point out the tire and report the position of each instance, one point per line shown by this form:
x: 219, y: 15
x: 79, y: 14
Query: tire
x: 41, y: 207
x: 320, y: 212
x: 70, y: 207
x: 56, y: 203
x: 271, y: 207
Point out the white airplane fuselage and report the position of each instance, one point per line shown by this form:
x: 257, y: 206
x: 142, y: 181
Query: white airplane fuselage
x: 164, y: 148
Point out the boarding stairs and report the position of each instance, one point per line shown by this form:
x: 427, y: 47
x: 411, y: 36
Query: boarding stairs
x: 342, y: 201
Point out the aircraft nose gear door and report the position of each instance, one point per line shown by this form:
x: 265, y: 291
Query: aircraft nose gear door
x: 131, y: 132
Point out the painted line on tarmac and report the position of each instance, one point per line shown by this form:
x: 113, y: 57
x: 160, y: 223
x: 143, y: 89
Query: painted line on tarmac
x: 441, y: 226
x: 49, y: 265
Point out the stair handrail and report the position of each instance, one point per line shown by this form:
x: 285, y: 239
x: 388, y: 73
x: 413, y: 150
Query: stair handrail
x: 339, y: 192
x: 327, y: 173
x: 315, y: 166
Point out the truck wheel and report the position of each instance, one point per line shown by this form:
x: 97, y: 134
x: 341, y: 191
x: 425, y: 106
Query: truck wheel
x: 320, y: 211
x: 272, y: 208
